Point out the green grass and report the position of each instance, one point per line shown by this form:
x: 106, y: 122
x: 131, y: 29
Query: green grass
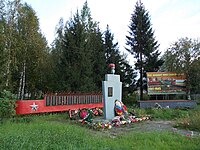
x: 57, y: 133
x: 164, y: 114
x: 185, y: 118
x: 191, y: 121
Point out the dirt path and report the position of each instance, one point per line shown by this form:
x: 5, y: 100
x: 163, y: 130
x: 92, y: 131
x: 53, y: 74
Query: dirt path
x: 144, y: 126
x: 148, y: 126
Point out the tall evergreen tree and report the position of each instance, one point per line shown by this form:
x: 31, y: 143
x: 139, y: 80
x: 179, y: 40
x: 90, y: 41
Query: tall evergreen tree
x: 79, y: 43
x: 57, y: 75
x: 76, y: 56
x: 111, y: 49
x: 142, y: 44
x: 98, y: 57
x: 122, y: 66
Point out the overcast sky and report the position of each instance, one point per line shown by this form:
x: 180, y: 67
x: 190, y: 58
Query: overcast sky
x: 170, y: 19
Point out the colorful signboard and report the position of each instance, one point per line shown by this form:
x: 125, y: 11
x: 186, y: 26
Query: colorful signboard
x: 159, y: 83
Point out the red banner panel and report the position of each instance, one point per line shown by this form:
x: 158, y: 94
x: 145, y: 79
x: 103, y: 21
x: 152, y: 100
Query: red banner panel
x: 40, y: 106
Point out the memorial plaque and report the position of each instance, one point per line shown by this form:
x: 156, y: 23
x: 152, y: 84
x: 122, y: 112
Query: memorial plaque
x: 59, y: 100
x: 48, y: 100
x: 53, y: 100
x: 110, y: 91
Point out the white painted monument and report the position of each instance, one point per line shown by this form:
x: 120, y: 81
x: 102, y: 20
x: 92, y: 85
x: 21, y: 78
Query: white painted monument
x: 112, y: 90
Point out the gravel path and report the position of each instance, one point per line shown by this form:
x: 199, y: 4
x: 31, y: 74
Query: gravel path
x: 164, y: 126
x: 148, y: 126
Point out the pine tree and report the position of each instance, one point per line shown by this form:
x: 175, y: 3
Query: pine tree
x: 122, y: 66
x: 111, y: 50
x: 98, y: 57
x: 57, y: 74
x: 80, y: 44
x: 73, y: 50
x: 128, y: 76
x: 142, y: 44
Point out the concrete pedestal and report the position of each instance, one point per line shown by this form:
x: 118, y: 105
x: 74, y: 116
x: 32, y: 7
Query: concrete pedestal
x: 112, y: 90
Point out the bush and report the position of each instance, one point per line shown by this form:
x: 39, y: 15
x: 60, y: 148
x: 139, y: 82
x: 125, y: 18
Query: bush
x: 145, y: 97
x: 130, y: 99
x: 194, y: 120
x: 7, y: 104
x: 191, y: 121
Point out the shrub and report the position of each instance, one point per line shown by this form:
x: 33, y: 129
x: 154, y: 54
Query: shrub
x: 191, y: 121
x: 7, y: 104
x: 145, y: 97
x: 194, y: 120
x: 130, y: 99
x: 141, y: 112
x: 133, y: 98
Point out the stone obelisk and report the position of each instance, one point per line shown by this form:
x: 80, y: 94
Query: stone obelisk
x: 112, y: 90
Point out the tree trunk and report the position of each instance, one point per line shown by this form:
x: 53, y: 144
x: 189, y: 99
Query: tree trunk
x: 20, y: 86
x: 9, y: 40
x: 141, y: 77
x: 8, y: 73
x: 22, y: 83
x: 23, y: 80
x: 188, y: 86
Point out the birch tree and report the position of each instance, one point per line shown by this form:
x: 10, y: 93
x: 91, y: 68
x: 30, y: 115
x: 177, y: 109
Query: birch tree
x: 9, y: 19
x: 33, y: 48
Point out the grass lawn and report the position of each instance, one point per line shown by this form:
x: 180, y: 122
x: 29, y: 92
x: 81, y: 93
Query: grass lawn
x: 56, y: 132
